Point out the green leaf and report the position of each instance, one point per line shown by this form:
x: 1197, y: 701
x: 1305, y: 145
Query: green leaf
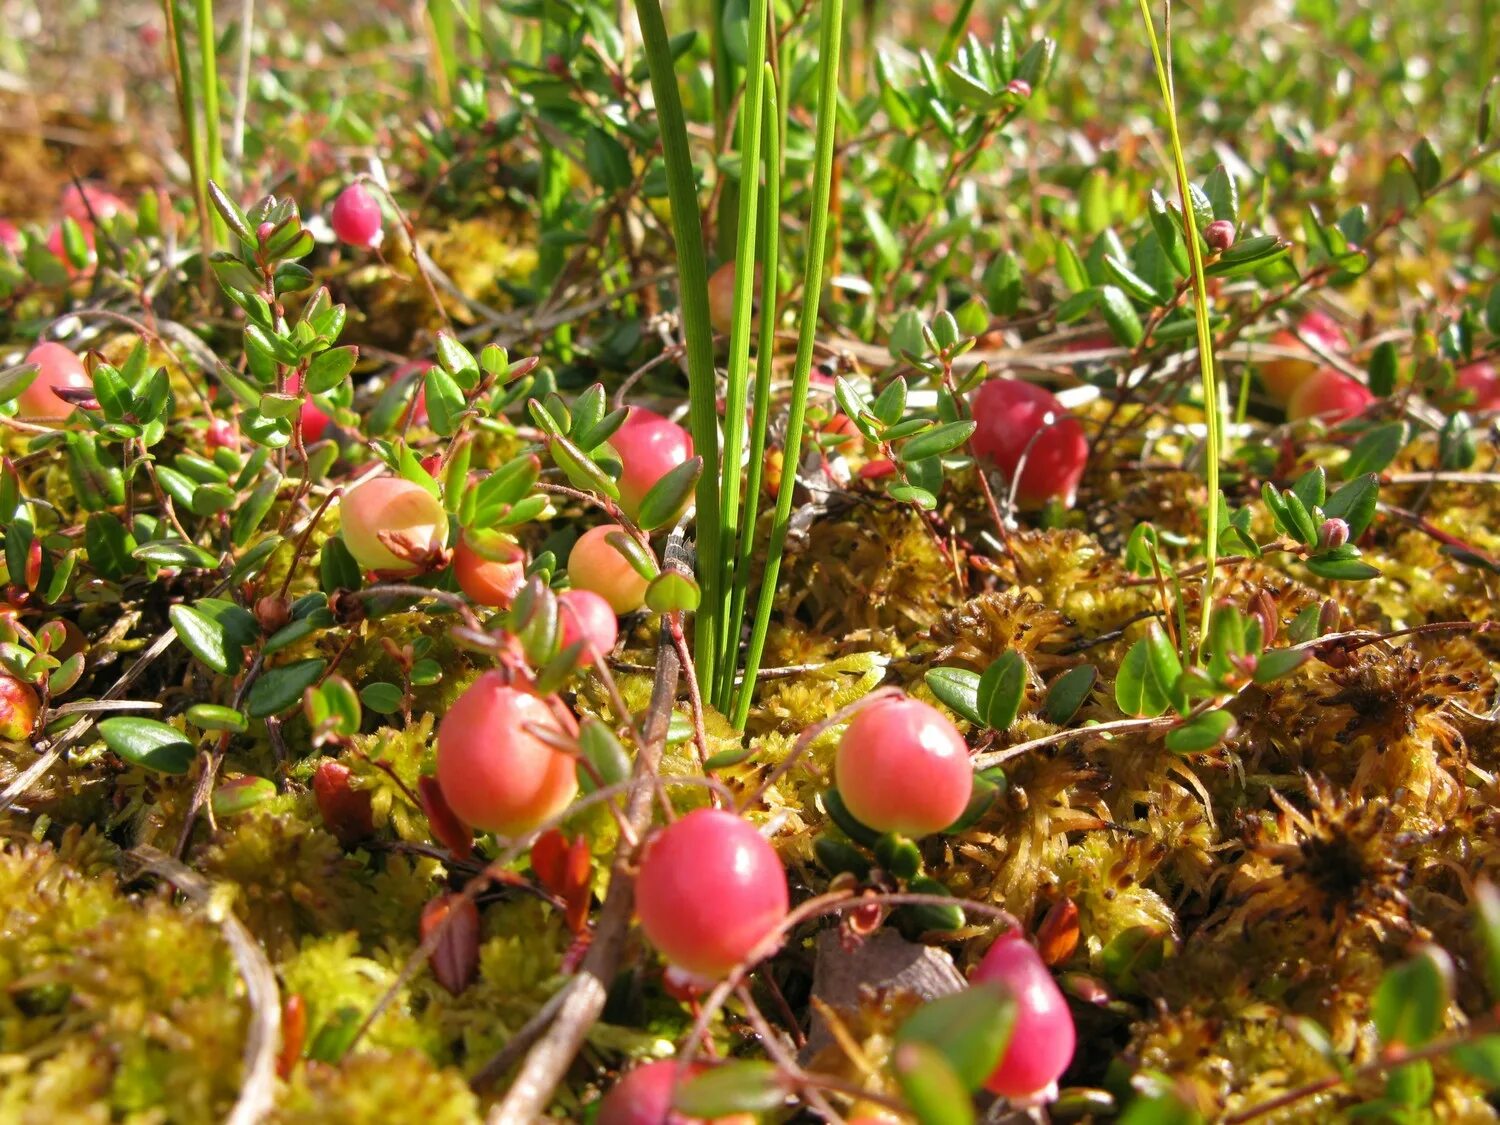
x: 1426, y: 167
x: 149, y: 744
x: 1139, y: 686
x: 281, y: 688
x: 1068, y: 693
x: 958, y: 689
x: 1355, y: 503
x: 1200, y: 733
x: 603, y: 751
x: 454, y: 357
x: 1312, y: 488
x: 1412, y: 999
x: 1337, y: 566
x: 330, y: 369
x: 1223, y: 193
x: 1481, y: 1058
x: 937, y: 441
x: 204, y: 638
x: 669, y: 495
x: 109, y: 546
x: 1120, y: 315
x: 381, y: 697
x: 1001, y: 689
x: 933, y: 1092
x: 671, y: 592
x: 579, y: 469
x: 334, y: 701
x: 747, y: 1086
x: 1070, y: 267
x: 1487, y: 923
x: 174, y: 552
x: 1383, y: 363
x: 970, y: 1029
x: 14, y: 380
x: 1375, y: 450
x: 213, y: 716
x: 1274, y: 664
x: 444, y: 400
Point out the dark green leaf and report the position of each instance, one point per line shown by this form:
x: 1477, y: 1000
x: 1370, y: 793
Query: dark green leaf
x: 937, y: 441
x: 1001, y: 689
x: 1068, y: 693
x: 1278, y: 662
x: 204, y: 638
x: 958, y: 689
x: 1383, y: 362
x: 281, y: 688
x: 148, y: 743
x: 1375, y: 450
x: 330, y: 369
x: 381, y: 697
x: 1411, y: 1001
x: 174, y: 552
x: 670, y: 495
x: 1202, y: 732
x: 747, y: 1086
x: 1355, y: 503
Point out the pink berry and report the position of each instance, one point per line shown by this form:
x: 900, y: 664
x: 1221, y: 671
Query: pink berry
x: 494, y: 772
x: 903, y: 767
x: 595, y: 564
x: 387, y: 515
x: 1330, y: 396
x: 710, y: 890
x: 222, y: 435
x: 643, y: 1096
x: 488, y: 581
x: 312, y: 419
x: 1323, y: 329
x: 57, y: 369
x: 10, y: 236
x: 585, y: 616
x: 649, y: 446
x: 1483, y: 383
x: 356, y: 217
x: 88, y: 203
x: 1020, y: 420
x: 1042, y: 1038
x: 18, y: 709
x: 56, y: 248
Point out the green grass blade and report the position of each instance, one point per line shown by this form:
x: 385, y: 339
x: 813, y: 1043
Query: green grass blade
x: 1205, y: 332
x: 752, y: 107
x: 692, y: 274
x: 213, y: 135
x: 770, y: 256
x: 812, y: 289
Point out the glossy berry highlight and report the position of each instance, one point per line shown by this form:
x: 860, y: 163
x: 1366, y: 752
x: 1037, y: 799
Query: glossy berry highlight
x: 903, y: 767
x: 18, y: 709
x: 392, y: 525
x: 1330, y: 396
x: 650, y: 447
x: 1023, y: 426
x: 495, y: 773
x: 58, y: 369
x: 710, y: 890
x: 1043, y: 1037
x: 356, y: 217
x: 488, y: 582
x: 596, y: 564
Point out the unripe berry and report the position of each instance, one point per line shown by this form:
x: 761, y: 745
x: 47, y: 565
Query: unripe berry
x: 1219, y: 235
x: 1042, y: 1038
x: 495, y: 774
x: 410, y: 518
x: 1283, y: 375
x: 643, y: 1096
x: 584, y: 616
x: 10, y: 236
x: 650, y: 447
x: 1017, y: 419
x: 346, y: 811
x: 1482, y: 381
x: 1019, y: 87
x: 595, y: 564
x: 721, y: 299
x: 356, y: 217
x: 1330, y: 396
x: 487, y: 581
x: 710, y: 890
x: 18, y: 709
x: 903, y: 767
x: 57, y: 369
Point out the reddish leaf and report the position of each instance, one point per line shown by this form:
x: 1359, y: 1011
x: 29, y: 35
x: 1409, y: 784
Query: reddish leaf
x: 455, y: 961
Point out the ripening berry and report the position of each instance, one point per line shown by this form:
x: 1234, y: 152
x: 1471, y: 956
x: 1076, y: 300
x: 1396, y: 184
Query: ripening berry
x: 221, y: 434
x: 1042, y: 1038
x: 1482, y: 382
x: 89, y: 203
x: 347, y: 812
x: 312, y: 419
x: 721, y: 299
x: 488, y: 581
x: 10, y: 236
x: 494, y: 772
x: 584, y: 616
x: 595, y: 564
x: 392, y: 525
x: 1283, y: 375
x: 1219, y: 235
x: 18, y: 709
x: 1330, y: 396
x: 643, y: 1096
x: 710, y: 890
x: 356, y: 217
x: 1017, y: 419
x: 650, y: 447
x: 57, y: 369
x: 903, y: 767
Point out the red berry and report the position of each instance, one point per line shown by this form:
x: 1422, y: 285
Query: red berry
x: 455, y: 959
x: 10, y: 236
x: 494, y: 772
x: 649, y: 446
x: 710, y: 890
x: 1219, y: 234
x: 346, y: 811
x: 1330, y: 396
x: 411, y: 520
x: 643, y: 1096
x: 1042, y: 1038
x: 57, y: 369
x: 584, y: 616
x: 903, y: 767
x: 312, y: 419
x: 356, y: 217
x: 1017, y: 419
x: 595, y: 564
x: 487, y: 581
x: 1283, y: 375
x: 88, y: 203
x: 1483, y: 383
x: 18, y: 709
x: 1323, y: 329
x: 222, y: 435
